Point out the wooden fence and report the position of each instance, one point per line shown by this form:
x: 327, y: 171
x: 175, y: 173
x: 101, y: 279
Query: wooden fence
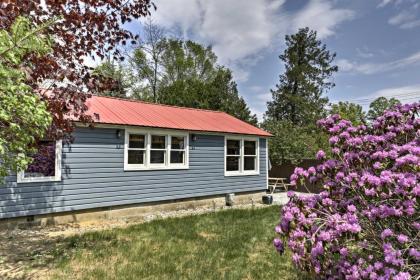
x: 286, y: 169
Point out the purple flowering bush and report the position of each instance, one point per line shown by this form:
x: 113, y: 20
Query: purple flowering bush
x: 365, y: 224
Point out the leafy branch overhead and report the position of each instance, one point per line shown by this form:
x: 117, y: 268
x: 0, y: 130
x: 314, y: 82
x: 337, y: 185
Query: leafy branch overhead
x: 86, y: 29
x: 24, y: 118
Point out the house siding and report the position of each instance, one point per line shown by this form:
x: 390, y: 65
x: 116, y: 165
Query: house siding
x: 93, y: 176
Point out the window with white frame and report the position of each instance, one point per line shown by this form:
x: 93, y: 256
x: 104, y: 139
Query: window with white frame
x: 136, y: 154
x: 155, y: 150
x: 45, y: 165
x: 241, y: 156
x: 178, y: 151
x: 250, y: 155
x: 158, y: 149
x: 233, y: 155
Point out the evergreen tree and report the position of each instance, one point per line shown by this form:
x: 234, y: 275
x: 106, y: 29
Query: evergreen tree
x: 298, y: 100
x: 308, y: 67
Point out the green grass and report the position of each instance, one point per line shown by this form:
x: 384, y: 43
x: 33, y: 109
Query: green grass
x: 231, y: 244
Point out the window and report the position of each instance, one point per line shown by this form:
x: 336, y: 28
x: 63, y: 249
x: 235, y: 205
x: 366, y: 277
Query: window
x: 233, y: 155
x: 241, y: 156
x: 250, y: 155
x: 153, y: 149
x: 137, y: 149
x: 178, y: 149
x: 46, y: 164
x: 158, y: 149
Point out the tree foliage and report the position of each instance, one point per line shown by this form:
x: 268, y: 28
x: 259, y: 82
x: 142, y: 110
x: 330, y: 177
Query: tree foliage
x: 293, y: 143
x: 349, y: 111
x: 146, y: 63
x: 86, y: 29
x: 365, y: 224
x: 110, y: 79
x: 380, y: 105
x: 298, y: 101
x: 185, y: 73
x: 24, y: 118
x: 308, y: 67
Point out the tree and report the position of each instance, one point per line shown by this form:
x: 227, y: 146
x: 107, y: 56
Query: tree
x: 349, y: 111
x: 308, y: 67
x: 365, y: 223
x: 298, y: 100
x: 24, y: 118
x: 380, y: 105
x: 225, y: 97
x: 86, y: 29
x: 146, y: 62
x: 293, y: 143
x: 111, y: 81
x: 188, y: 75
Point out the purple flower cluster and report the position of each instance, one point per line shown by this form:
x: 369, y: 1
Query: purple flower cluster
x: 365, y: 224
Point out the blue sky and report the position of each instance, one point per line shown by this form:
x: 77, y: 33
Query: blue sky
x: 377, y: 42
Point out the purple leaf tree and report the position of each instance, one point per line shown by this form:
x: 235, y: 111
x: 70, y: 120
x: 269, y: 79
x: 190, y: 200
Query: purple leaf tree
x: 43, y: 163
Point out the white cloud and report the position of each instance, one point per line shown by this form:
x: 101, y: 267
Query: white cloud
x: 410, y: 24
x: 401, y: 17
x: 235, y: 30
x: 241, y: 31
x: 404, y: 93
x: 321, y: 16
x: 364, y: 52
x: 406, y: 18
x: 373, y: 68
x: 384, y: 3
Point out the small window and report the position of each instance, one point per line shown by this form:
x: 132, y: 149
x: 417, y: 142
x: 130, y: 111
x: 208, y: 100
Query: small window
x: 241, y: 157
x: 137, y: 149
x: 45, y: 165
x: 250, y: 155
x: 158, y: 149
x: 178, y: 150
x: 233, y: 155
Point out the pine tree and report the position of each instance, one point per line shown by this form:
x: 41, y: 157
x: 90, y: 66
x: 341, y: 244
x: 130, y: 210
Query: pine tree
x: 298, y: 97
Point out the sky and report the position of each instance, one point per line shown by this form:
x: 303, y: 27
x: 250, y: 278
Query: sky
x: 377, y: 42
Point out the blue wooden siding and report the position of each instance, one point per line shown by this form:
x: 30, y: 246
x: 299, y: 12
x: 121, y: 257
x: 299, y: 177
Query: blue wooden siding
x: 93, y: 176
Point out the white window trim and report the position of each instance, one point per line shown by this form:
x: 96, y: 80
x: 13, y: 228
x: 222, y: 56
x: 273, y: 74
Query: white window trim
x: 150, y: 149
x: 241, y: 171
x: 185, y: 150
x: 126, y: 148
x: 153, y: 166
x: 58, y: 152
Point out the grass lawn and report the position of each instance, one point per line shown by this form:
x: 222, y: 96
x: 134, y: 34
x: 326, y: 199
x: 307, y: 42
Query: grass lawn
x: 230, y: 244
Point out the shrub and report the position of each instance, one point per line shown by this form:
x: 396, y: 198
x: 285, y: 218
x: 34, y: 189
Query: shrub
x: 365, y: 224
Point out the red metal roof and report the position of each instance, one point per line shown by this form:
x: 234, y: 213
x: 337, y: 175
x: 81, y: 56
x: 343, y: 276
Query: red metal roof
x: 137, y: 113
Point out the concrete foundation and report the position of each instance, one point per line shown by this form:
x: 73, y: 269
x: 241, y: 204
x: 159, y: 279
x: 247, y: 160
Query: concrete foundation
x: 133, y: 211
